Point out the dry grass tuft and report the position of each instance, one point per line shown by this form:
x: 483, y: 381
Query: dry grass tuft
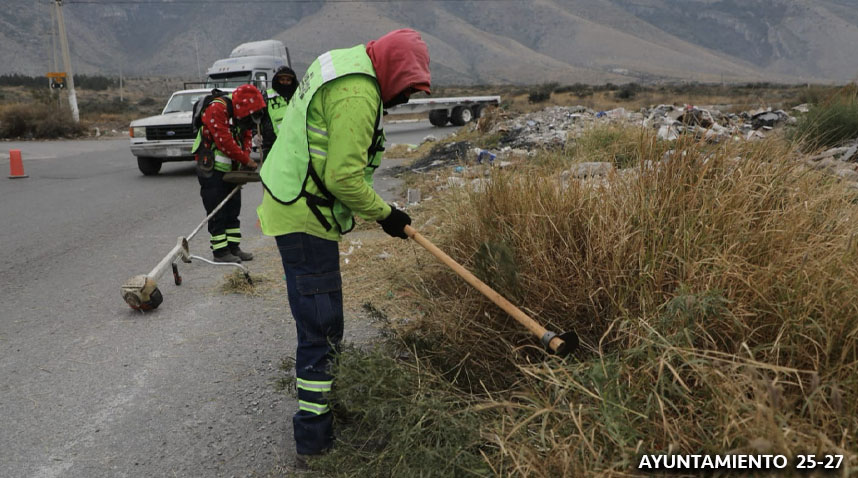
x: 236, y: 283
x: 713, y: 289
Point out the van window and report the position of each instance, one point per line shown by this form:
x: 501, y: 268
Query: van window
x: 261, y: 80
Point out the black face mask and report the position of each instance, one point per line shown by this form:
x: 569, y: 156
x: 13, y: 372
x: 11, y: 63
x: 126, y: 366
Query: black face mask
x: 399, y: 99
x: 286, y: 91
x: 246, y: 123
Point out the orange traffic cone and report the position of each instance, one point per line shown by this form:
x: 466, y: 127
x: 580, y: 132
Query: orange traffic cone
x: 16, y: 166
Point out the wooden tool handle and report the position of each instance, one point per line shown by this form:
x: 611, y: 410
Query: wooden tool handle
x: 555, y: 343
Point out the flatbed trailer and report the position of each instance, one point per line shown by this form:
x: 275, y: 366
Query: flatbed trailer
x: 456, y: 110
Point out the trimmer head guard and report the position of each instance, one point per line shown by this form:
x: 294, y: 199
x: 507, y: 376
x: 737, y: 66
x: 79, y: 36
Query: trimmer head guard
x: 141, y: 293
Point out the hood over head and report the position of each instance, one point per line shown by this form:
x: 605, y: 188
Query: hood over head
x: 401, y: 61
x: 246, y: 100
x: 285, y: 91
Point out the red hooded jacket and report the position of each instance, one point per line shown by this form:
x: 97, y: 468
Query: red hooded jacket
x: 216, y: 128
x: 216, y: 122
x: 401, y: 61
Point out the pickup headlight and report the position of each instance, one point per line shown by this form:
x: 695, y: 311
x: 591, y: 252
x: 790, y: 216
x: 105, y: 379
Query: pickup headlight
x: 138, y: 131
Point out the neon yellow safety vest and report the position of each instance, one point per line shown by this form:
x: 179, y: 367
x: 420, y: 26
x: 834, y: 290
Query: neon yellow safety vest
x: 289, y: 164
x: 222, y: 162
x: 276, y: 108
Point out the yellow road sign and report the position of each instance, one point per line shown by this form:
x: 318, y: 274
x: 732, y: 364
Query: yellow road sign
x: 55, y: 74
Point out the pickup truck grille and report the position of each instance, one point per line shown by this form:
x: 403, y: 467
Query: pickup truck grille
x: 179, y: 131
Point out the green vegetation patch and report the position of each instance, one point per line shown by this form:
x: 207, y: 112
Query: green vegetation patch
x: 830, y: 123
x: 397, y: 417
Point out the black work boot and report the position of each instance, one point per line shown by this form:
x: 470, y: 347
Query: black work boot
x: 236, y: 251
x: 302, y: 464
x: 225, y: 255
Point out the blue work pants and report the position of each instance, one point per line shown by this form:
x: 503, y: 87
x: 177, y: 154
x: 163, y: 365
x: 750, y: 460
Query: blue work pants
x: 224, y: 226
x: 314, y: 288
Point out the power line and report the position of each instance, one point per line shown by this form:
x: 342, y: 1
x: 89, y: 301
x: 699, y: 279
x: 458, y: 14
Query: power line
x: 174, y: 2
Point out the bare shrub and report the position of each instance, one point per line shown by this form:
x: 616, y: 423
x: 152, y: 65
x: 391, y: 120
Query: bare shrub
x: 37, y: 120
x: 541, y: 93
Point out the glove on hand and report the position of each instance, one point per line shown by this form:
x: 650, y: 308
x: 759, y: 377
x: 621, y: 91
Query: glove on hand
x: 395, y: 223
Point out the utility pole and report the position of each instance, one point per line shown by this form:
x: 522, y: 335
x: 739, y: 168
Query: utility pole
x: 67, y: 61
x: 54, y: 53
x: 197, y: 50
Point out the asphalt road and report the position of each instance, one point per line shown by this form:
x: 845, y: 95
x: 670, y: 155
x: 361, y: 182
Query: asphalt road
x: 90, y: 388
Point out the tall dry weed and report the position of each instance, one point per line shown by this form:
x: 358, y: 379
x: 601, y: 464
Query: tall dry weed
x: 713, y: 287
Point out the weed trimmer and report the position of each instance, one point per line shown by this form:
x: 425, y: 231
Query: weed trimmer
x: 562, y: 344
x: 141, y: 292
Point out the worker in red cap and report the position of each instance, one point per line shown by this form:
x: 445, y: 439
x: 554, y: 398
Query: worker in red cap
x: 223, y: 144
x: 317, y: 175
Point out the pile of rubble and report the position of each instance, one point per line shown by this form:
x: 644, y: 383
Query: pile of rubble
x: 557, y: 126
x: 712, y: 124
x: 841, y: 161
x: 551, y: 127
x: 443, y: 154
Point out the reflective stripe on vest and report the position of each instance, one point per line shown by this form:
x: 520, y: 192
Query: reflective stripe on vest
x: 276, y: 109
x: 285, y: 172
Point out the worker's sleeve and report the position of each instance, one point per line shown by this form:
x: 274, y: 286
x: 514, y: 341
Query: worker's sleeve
x: 351, y: 121
x: 216, y: 121
x: 268, y: 134
x: 247, y: 143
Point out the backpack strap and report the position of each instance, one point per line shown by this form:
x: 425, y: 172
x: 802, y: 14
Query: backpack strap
x: 226, y: 102
x: 314, y: 202
x: 377, y: 143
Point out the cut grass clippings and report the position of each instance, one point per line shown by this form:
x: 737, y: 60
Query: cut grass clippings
x: 236, y: 283
x: 266, y: 274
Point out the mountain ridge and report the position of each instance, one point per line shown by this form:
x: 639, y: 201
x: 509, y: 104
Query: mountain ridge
x: 470, y: 42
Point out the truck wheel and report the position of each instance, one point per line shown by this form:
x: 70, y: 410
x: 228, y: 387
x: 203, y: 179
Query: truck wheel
x: 477, y: 110
x: 148, y: 166
x: 438, y: 117
x: 461, y: 116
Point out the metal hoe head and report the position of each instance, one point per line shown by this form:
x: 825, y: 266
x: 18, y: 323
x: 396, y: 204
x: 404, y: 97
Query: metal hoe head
x: 568, y: 345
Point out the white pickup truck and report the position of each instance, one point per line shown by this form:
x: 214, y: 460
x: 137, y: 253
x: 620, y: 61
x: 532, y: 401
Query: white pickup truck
x: 168, y: 136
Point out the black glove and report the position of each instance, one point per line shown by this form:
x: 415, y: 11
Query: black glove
x: 395, y: 223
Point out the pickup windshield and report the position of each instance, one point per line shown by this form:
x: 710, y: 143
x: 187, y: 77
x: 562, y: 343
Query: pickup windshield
x: 182, y: 102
